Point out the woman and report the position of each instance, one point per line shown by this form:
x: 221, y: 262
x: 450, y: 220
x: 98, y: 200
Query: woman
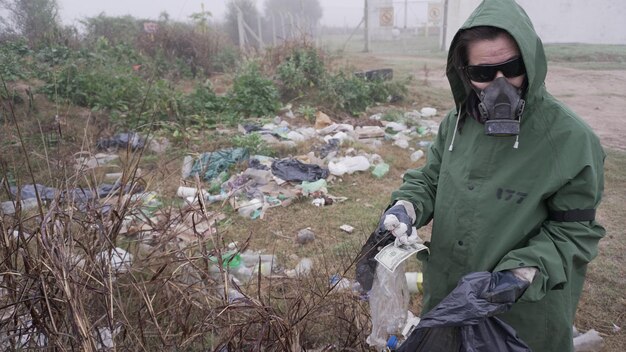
x: 512, y: 180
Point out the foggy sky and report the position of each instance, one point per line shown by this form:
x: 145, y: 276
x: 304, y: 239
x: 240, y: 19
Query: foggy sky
x: 336, y: 12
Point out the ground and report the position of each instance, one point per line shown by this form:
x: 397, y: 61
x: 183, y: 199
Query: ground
x: 599, y: 97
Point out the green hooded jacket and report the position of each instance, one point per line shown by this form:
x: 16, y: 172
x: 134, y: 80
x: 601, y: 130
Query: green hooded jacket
x: 489, y: 201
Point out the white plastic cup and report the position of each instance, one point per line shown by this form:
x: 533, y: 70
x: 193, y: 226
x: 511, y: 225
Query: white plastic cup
x: 414, y: 281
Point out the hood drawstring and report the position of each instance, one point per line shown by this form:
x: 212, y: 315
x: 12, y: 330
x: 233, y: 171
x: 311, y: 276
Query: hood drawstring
x: 520, y: 131
x: 456, y: 126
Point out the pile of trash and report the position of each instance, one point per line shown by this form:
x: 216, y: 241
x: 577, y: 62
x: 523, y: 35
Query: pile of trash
x: 269, y: 182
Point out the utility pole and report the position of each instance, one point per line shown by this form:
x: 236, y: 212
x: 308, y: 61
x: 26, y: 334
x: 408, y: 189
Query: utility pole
x: 444, y: 26
x: 242, y: 33
x: 406, y: 10
x: 366, y: 21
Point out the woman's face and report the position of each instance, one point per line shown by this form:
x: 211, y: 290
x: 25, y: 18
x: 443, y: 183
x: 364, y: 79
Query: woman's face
x: 494, y: 51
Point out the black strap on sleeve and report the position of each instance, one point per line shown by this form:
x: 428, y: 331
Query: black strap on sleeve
x: 573, y: 215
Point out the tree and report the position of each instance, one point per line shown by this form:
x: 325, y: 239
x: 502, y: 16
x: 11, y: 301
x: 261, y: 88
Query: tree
x: 250, y: 16
x: 37, y: 20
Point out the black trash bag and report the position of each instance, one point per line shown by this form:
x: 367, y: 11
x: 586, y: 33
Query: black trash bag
x: 122, y: 140
x: 294, y: 170
x: 256, y: 164
x: 249, y: 128
x: 468, y: 320
x: 366, y: 264
x: 106, y: 189
x: 28, y: 192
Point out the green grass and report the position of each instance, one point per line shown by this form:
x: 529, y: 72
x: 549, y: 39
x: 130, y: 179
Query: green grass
x: 588, y: 56
x: 407, y: 44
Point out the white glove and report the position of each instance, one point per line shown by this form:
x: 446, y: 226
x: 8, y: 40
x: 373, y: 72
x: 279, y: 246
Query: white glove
x: 399, y: 221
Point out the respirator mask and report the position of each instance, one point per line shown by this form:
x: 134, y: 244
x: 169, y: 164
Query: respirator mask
x: 501, y: 106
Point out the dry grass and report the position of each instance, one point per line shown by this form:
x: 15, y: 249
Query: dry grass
x: 603, y: 303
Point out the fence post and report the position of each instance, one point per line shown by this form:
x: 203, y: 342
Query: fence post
x: 273, y: 29
x: 258, y: 24
x: 367, y: 27
x: 242, y: 33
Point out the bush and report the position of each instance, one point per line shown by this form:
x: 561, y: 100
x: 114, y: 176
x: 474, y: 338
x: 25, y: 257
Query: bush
x: 347, y: 92
x: 253, y: 143
x: 13, y: 65
x: 252, y: 94
x: 354, y: 94
x: 302, y: 70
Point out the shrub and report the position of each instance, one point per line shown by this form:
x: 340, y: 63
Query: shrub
x: 252, y: 94
x: 354, y: 94
x: 302, y: 70
x: 12, y: 60
x: 347, y: 92
x: 253, y: 143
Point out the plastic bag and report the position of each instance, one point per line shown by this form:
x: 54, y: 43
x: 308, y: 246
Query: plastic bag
x: 389, y: 300
x: 122, y: 140
x: 465, y: 322
x: 294, y: 170
x: 366, y: 264
x: 210, y: 165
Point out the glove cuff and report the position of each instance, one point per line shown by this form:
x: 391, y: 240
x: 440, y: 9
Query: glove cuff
x: 408, y: 207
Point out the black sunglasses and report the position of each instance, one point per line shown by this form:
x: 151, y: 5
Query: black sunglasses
x: 487, y: 73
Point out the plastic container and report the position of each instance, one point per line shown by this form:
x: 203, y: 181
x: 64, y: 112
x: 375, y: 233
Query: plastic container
x: 247, y: 209
x: 417, y: 155
x: 230, y: 259
x: 380, y: 170
x: 186, y: 192
x: 424, y: 144
x: 414, y: 281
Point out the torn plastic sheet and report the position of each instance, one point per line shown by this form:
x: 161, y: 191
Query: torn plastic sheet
x: 122, y: 140
x: 294, y: 170
x: 465, y: 322
x: 209, y: 165
x: 76, y: 194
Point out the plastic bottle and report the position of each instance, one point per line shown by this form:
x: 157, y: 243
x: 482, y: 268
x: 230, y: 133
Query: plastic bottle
x: 395, y: 341
x: 417, y: 155
x: 380, y: 170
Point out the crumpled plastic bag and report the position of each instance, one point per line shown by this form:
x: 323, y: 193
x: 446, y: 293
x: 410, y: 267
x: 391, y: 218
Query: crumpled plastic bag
x: 295, y: 170
x: 210, y: 165
x: 464, y: 322
x: 122, y: 140
x: 388, y: 300
x: 366, y: 264
x: 76, y: 194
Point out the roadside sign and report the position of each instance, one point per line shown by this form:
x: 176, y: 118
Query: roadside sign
x: 386, y: 17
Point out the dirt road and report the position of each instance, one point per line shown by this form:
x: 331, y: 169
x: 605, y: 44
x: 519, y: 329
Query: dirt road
x: 599, y: 97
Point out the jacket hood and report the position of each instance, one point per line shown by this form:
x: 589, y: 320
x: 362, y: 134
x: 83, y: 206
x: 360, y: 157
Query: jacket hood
x: 507, y: 15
